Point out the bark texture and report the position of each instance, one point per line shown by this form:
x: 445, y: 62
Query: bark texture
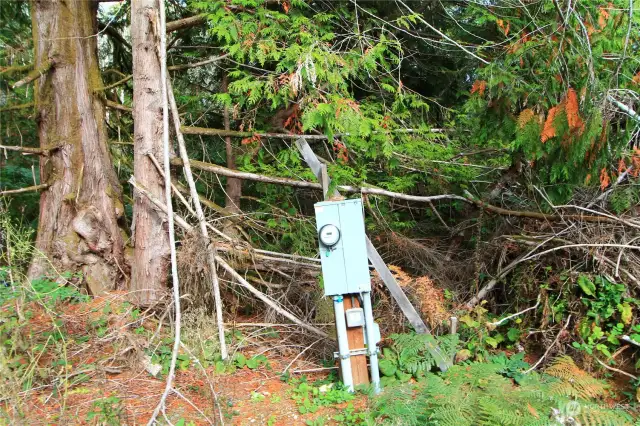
x: 80, y: 211
x: 150, y: 235
x: 233, y: 190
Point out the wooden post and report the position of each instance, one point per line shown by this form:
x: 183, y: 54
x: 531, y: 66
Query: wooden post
x: 355, y: 335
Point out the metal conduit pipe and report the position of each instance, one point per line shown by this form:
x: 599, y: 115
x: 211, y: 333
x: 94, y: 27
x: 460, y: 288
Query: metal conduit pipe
x: 343, y: 343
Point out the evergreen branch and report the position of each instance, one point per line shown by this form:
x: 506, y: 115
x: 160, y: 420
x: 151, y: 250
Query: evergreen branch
x: 41, y: 70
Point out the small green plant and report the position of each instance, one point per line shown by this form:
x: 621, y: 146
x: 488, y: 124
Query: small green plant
x: 310, y: 398
x: 350, y: 416
x: 318, y: 421
x: 410, y: 355
x: 162, y: 356
x: 106, y: 411
x: 609, y: 315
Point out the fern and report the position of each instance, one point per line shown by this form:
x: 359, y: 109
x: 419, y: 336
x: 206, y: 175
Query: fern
x: 574, y: 382
x: 480, y: 394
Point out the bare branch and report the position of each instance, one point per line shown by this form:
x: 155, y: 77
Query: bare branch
x: 188, y: 130
x: 115, y: 105
x: 197, y: 64
x: 16, y: 107
x: 184, y: 23
x: 195, y: 199
x: 223, y: 171
x: 117, y: 83
x: 23, y: 190
x: 30, y: 150
x: 544, y: 216
x: 42, y: 69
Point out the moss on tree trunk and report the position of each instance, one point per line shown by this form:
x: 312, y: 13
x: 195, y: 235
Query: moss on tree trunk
x: 79, y: 224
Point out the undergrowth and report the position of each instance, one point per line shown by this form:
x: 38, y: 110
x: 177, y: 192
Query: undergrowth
x: 486, y: 393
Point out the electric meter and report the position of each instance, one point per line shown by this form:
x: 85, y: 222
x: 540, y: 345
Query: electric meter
x: 329, y: 235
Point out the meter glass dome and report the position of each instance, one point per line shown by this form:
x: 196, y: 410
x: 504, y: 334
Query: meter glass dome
x: 329, y: 235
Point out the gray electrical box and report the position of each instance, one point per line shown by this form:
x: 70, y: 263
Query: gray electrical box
x: 343, y: 249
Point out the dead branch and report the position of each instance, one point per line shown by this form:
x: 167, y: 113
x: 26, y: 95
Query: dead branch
x: 267, y: 300
x: 15, y: 69
x: 184, y: 23
x: 190, y: 130
x: 30, y: 150
x: 539, y: 215
x: 197, y: 64
x: 608, y: 367
x: 41, y: 70
x: 23, y: 190
x: 17, y: 107
x: 117, y: 83
x: 115, y: 105
x: 220, y: 170
x: 211, y: 250
x: 566, y: 324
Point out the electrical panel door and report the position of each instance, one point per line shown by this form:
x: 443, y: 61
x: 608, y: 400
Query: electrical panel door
x: 345, y: 265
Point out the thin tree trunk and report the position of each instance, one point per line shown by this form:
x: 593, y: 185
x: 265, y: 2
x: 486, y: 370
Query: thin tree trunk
x: 78, y: 228
x: 234, y: 186
x: 150, y: 237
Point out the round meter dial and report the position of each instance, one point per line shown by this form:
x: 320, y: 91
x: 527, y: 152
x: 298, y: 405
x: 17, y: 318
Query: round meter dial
x: 329, y: 235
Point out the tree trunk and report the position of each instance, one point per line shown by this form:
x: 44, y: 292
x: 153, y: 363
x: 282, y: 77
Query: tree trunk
x: 150, y: 236
x: 78, y: 228
x: 233, y: 189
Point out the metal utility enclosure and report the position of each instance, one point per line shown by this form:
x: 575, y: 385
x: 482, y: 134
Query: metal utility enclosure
x: 345, y: 266
x: 345, y: 269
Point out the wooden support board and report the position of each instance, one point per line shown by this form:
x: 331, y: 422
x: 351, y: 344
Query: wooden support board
x: 378, y: 263
x: 355, y: 335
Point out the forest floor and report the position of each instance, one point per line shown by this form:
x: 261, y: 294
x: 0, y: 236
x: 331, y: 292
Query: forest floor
x: 88, y: 363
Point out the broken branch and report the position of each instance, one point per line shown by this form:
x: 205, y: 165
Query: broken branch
x: 42, y: 69
x: 16, y: 107
x: 223, y: 171
x: 23, y: 190
x: 197, y: 64
x: 115, y: 105
x: 30, y: 150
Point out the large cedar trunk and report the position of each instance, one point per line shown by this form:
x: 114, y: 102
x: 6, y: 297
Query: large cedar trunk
x: 151, y: 239
x: 78, y: 229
